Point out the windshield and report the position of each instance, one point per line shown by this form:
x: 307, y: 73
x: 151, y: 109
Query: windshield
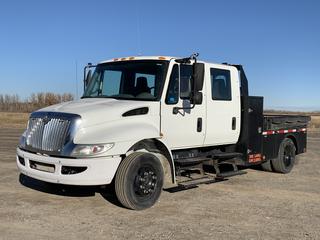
x: 136, y: 80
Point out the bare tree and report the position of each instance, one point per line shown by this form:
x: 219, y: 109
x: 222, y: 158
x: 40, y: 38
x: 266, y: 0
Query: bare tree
x: 13, y: 103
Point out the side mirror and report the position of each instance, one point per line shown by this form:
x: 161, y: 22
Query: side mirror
x: 87, y: 75
x: 198, y: 76
x: 87, y: 78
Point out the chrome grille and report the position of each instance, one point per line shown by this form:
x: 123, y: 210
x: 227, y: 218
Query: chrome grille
x: 47, y: 134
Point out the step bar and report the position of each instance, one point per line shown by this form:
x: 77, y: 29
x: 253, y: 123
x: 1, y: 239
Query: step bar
x: 194, y: 183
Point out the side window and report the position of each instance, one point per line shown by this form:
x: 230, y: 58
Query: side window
x: 111, y: 82
x: 185, y: 81
x: 173, y: 89
x: 220, y: 84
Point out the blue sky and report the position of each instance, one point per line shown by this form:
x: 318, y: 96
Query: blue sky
x: 278, y: 42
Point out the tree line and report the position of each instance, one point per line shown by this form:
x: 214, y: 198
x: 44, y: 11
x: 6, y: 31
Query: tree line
x: 13, y: 103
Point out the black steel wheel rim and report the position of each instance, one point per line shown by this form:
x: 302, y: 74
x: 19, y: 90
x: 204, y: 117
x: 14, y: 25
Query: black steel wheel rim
x: 288, y: 156
x: 145, y: 182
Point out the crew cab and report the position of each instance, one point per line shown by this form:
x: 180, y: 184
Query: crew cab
x: 150, y: 123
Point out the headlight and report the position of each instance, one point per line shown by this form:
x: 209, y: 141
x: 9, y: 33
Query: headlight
x: 22, y: 141
x: 90, y: 150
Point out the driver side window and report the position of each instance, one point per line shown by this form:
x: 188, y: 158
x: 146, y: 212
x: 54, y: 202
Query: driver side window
x: 173, y: 88
x: 185, y: 74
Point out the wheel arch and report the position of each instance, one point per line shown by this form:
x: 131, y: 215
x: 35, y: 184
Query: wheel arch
x: 294, y: 140
x: 160, y: 149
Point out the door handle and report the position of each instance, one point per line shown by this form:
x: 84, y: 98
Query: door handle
x: 199, y: 125
x: 234, y: 123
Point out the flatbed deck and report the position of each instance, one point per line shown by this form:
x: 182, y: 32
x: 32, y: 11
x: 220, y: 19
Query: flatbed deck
x: 278, y: 122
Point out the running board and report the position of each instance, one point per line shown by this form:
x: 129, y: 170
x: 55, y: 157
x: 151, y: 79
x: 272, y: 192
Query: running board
x: 230, y: 174
x: 223, y: 156
x: 191, y: 161
x: 194, y: 183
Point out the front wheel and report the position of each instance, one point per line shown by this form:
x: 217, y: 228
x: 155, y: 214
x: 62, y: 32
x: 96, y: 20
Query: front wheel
x: 286, y: 157
x: 139, y: 181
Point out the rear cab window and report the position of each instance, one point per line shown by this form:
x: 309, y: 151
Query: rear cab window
x: 220, y: 84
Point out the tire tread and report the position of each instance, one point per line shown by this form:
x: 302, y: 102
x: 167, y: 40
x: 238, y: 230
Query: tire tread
x: 120, y: 179
x: 277, y: 163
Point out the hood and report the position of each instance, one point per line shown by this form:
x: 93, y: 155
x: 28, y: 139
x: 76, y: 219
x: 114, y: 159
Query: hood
x: 95, y: 111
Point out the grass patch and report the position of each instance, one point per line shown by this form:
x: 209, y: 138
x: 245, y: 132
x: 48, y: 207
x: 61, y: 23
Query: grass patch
x: 315, y: 122
x: 13, y: 120
x: 19, y: 120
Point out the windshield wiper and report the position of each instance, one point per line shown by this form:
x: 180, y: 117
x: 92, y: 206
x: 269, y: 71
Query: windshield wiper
x: 100, y: 96
x: 86, y: 97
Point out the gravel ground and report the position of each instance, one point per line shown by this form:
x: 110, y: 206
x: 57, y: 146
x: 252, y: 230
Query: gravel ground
x: 258, y: 205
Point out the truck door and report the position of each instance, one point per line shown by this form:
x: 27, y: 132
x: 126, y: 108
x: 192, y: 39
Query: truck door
x: 186, y: 128
x: 223, y: 105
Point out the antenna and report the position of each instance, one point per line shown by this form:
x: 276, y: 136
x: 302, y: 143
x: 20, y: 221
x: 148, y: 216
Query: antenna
x: 138, y: 28
x: 76, y: 79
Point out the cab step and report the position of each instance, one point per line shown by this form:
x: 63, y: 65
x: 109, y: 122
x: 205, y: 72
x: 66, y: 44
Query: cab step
x: 191, y: 161
x: 227, y: 155
x: 230, y: 174
x: 194, y: 183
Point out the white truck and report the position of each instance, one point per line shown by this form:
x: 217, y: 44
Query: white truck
x: 152, y: 123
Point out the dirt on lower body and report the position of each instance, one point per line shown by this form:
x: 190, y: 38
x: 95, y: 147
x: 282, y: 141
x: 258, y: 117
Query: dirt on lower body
x: 258, y: 205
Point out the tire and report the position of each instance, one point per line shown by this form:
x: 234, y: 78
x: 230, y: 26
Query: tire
x: 266, y: 166
x: 286, y: 157
x: 139, y: 181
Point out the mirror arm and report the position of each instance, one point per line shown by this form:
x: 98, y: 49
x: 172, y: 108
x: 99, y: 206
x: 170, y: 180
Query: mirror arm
x: 176, y: 109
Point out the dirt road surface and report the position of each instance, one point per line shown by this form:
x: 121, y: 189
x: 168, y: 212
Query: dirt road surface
x: 258, y: 205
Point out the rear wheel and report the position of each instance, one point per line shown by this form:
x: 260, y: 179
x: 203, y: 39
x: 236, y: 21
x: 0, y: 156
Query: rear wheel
x: 286, y: 157
x: 139, y: 181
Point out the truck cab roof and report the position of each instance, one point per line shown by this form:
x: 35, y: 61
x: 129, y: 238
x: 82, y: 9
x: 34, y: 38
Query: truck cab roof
x: 168, y: 58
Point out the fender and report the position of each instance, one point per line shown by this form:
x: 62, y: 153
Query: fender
x: 124, y: 133
x: 159, y: 148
